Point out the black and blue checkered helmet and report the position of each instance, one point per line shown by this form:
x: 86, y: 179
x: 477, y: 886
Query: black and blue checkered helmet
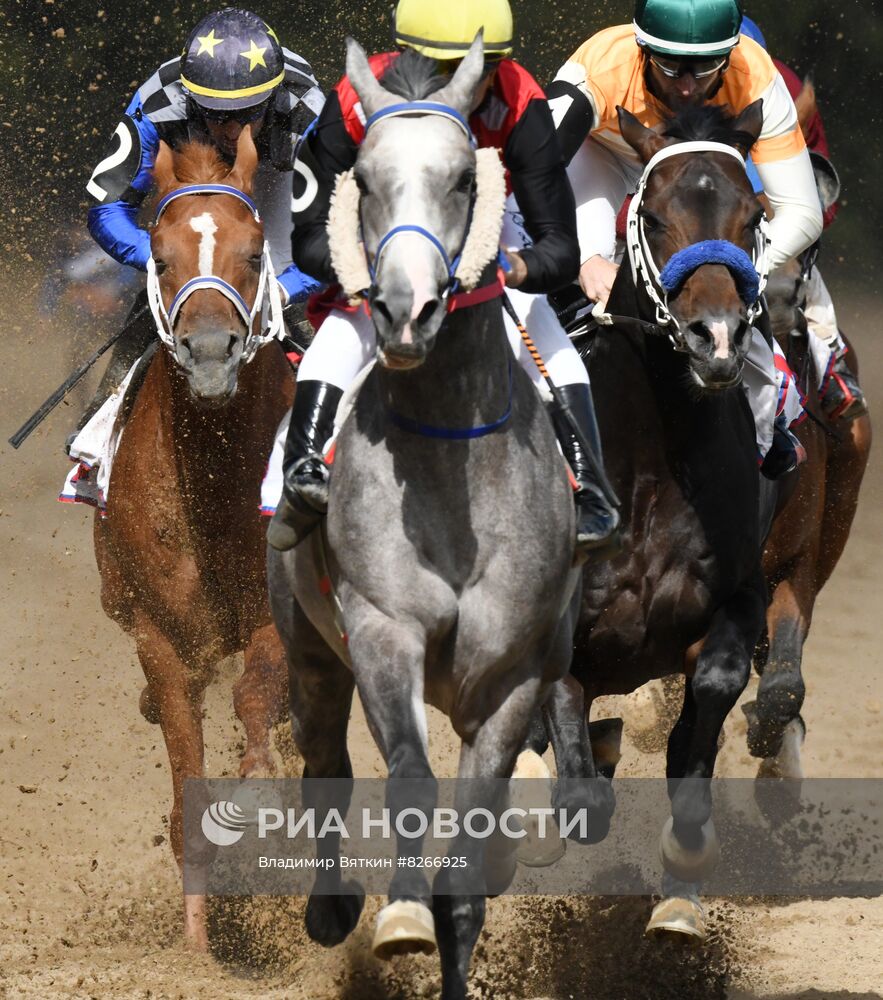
x: 232, y: 59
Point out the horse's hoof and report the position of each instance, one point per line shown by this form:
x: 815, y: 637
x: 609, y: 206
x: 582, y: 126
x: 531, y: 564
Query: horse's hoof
x: 535, y: 850
x: 148, y: 706
x: 786, y: 764
x: 404, y: 928
x: 251, y: 796
x: 679, y: 917
x: 331, y: 919
x: 686, y: 864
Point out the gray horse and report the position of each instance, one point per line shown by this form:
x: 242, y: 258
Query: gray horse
x: 450, y: 551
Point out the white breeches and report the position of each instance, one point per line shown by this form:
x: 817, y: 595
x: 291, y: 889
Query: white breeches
x: 346, y: 342
x: 771, y: 390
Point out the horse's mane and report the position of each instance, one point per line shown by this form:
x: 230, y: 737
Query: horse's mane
x: 198, y: 162
x: 707, y: 122
x: 413, y: 76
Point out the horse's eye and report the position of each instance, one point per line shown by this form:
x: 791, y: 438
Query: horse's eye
x: 159, y: 265
x: 651, y: 222
x: 756, y: 220
x: 362, y: 185
x: 255, y: 261
x: 466, y: 181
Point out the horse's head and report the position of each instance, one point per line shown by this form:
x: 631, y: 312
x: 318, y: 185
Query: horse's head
x: 416, y: 174
x: 693, y: 233
x: 208, y: 264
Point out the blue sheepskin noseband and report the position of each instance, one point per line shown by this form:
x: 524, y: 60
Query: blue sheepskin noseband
x: 686, y: 261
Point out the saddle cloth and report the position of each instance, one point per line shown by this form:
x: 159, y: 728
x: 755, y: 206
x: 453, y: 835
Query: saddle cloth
x: 94, y: 448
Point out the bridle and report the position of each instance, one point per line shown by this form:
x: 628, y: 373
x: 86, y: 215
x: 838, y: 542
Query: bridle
x: 750, y: 272
x: 422, y: 109
x: 267, y: 302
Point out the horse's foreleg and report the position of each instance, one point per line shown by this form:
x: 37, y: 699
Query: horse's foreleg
x: 181, y: 722
x: 485, y: 763
x: 389, y: 662
x: 689, y: 844
x: 781, y: 691
x: 259, y: 698
x: 320, y: 695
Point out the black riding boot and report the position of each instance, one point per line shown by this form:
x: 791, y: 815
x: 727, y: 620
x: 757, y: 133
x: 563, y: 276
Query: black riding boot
x: 597, y: 522
x: 136, y: 338
x: 304, y: 473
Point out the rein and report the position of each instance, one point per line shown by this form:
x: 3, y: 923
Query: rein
x: 750, y: 273
x: 267, y: 301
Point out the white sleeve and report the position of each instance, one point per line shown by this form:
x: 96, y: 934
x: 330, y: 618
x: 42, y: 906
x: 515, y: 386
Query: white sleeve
x: 600, y: 185
x: 797, y: 221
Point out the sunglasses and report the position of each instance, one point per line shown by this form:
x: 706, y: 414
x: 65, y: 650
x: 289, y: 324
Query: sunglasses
x: 244, y: 116
x: 699, y: 69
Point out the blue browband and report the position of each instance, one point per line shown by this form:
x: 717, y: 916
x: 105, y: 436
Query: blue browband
x: 423, y: 108
x: 183, y: 192
x: 682, y: 264
x: 453, y: 433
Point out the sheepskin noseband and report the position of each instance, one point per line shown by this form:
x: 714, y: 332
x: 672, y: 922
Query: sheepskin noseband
x: 481, y: 245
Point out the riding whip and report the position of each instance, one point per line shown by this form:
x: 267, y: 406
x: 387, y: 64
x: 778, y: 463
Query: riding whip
x: 49, y: 405
x: 562, y: 407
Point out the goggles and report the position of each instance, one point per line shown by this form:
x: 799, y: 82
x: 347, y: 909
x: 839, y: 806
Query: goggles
x: 699, y: 69
x: 244, y: 116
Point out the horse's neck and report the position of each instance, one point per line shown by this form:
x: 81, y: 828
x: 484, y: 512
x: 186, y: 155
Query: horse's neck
x: 215, y: 449
x: 464, y: 381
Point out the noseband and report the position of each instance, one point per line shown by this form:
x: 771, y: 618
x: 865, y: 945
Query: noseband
x: 267, y: 301
x: 413, y: 109
x: 749, y: 273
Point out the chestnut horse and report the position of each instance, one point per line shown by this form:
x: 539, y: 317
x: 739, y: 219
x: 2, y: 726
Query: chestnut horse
x: 181, y: 551
x: 806, y: 541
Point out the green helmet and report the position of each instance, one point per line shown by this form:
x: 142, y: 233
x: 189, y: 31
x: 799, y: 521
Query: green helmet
x: 696, y: 29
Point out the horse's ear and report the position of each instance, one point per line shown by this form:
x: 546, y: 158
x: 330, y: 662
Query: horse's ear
x: 164, y: 168
x: 806, y: 105
x: 242, y: 172
x: 750, y: 124
x: 644, y: 141
x: 365, y: 83
x: 460, y: 92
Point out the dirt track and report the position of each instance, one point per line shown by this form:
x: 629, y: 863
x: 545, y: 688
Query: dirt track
x: 91, y: 905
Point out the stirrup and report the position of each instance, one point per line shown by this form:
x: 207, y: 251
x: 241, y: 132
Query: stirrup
x: 311, y: 485
x: 601, y: 536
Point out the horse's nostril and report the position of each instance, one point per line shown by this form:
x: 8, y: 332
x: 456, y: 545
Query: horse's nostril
x: 231, y: 344
x: 700, y: 330
x: 426, y: 313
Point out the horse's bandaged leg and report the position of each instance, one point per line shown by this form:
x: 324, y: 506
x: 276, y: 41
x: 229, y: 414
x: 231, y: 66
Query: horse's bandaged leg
x: 557, y: 351
x: 343, y: 345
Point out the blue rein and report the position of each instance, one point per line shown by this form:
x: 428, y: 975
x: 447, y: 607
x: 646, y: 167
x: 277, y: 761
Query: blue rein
x: 685, y: 262
x: 453, y: 433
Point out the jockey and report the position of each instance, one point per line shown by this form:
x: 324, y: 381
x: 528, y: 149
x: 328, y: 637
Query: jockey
x: 840, y: 393
x: 678, y: 53
x: 232, y: 73
x: 510, y: 113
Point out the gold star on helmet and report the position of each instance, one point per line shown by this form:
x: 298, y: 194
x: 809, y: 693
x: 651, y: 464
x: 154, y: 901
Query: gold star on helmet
x: 255, y: 57
x: 208, y: 42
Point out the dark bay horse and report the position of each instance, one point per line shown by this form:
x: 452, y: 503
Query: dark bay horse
x: 687, y: 595
x: 806, y: 541
x: 181, y: 551
x: 450, y: 534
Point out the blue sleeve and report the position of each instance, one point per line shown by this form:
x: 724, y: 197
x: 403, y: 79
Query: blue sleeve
x: 298, y: 285
x: 115, y: 229
x: 753, y: 176
x: 120, y: 185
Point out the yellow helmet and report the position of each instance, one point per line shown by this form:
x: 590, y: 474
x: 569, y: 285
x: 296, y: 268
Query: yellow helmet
x: 445, y: 30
